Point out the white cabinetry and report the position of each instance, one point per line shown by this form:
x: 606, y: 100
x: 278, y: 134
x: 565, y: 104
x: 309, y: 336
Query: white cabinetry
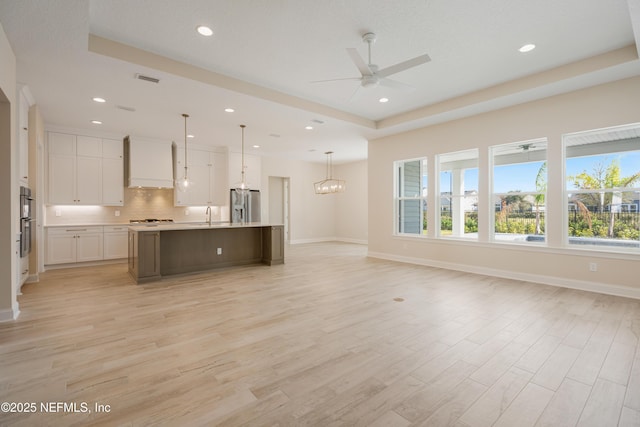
x: 112, y: 173
x: 208, y: 170
x: 85, y: 170
x: 74, y: 244
x: 115, y: 241
x: 23, y: 138
x: 252, y: 170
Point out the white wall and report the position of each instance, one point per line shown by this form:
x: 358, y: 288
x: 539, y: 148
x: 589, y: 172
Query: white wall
x: 351, y: 214
x: 8, y: 182
x: 311, y: 215
x: 606, y: 105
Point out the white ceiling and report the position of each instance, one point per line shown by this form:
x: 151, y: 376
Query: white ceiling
x: 264, y: 54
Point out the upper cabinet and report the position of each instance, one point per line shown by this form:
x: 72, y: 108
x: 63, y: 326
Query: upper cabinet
x: 252, y: 170
x: 150, y: 163
x: 112, y: 172
x: 79, y: 172
x: 207, y: 169
x: 23, y: 138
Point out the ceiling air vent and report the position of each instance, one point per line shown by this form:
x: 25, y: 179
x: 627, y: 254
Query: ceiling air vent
x: 122, y: 107
x: 147, y: 78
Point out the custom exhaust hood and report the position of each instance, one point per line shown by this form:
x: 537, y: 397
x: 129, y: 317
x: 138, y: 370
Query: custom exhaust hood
x: 148, y: 163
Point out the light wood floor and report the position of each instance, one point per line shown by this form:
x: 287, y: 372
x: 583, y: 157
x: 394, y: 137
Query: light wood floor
x: 330, y: 338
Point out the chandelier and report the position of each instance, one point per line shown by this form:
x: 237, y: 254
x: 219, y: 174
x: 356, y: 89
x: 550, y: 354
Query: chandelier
x: 329, y: 185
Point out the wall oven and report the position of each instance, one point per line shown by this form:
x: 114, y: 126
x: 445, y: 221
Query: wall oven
x: 26, y: 209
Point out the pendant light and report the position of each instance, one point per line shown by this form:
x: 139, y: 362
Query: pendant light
x: 242, y: 187
x: 329, y: 185
x: 184, y: 184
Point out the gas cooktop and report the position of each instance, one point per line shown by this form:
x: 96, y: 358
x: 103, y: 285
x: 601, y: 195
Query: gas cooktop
x: 149, y: 220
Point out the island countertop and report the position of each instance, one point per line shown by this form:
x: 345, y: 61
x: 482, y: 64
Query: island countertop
x: 197, y: 225
x: 159, y: 250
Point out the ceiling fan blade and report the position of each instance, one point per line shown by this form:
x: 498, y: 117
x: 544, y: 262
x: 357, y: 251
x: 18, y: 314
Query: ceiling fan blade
x: 336, y: 80
x: 393, y: 84
x: 405, y: 65
x: 357, y: 59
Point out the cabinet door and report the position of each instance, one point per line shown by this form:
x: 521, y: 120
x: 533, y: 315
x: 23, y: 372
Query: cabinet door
x: 115, y: 244
x: 252, y: 170
x: 88, y: 146
x: 62, y: 179
x: 219, y: 180
x: 89, y: 247
x: 112, y: 149
x: 61, y: 248
x: 112, y: 182
x: 23, y: 119
x: 62, y: 143
x: 89, y: 180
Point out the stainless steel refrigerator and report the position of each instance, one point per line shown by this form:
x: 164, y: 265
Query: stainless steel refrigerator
x: 245, y: 207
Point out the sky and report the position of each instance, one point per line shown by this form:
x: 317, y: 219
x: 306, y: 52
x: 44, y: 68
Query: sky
x: 522, y: 177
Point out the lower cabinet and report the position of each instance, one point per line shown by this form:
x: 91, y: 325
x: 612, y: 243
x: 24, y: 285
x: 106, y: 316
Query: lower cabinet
x: 74, y: 244
x: 115, y: 242
x: 68, y: 245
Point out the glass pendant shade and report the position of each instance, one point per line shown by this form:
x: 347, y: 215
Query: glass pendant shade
x: 329, y: 185
x: 242, y: 187
x: 184, y: 184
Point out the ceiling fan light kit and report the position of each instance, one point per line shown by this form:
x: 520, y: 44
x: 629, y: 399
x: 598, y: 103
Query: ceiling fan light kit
x: 371, y: 75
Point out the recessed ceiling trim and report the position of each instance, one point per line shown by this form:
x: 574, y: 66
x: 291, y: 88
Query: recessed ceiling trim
x: 563, y: 72
x: 113, y: 49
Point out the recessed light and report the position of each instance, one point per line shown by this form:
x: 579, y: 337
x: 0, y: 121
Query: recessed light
x: 256, y: 146
x: 190, y: 136
x: 308, y: 127
x: 383, y: 100
x: 100, y: 100
x: 96, y: 122
x: 203, y: 30
x: 527, y: 48
x: 229, y: 110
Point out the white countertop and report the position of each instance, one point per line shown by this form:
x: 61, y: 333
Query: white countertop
x: 195, y: 226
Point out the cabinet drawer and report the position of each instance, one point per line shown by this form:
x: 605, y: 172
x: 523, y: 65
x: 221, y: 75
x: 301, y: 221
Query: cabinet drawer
x: 115, y: 228
x: 60, y: 231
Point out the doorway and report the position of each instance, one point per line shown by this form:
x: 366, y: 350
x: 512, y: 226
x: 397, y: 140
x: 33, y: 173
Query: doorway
x: 279, y: 203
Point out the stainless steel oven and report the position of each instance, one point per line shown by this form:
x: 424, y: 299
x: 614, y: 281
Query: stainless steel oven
x: 26, y: 209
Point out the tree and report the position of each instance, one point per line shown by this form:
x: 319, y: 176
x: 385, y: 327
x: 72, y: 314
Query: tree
x: 603, y: 178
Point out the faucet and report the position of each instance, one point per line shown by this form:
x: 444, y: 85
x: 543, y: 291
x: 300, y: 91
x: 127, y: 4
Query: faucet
x: 208, y: 214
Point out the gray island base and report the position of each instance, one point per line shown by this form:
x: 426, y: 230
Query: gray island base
x: 157, y: 251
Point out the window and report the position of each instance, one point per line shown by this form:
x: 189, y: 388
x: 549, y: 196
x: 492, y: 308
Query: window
x: 411, y: 196
x: 519, y: 191
x: 458, y: 201
x: 603, y: 187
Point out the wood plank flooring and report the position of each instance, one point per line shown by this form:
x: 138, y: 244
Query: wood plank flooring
x: 331, y: 338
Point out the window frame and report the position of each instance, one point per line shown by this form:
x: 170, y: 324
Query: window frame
x: 398, y: 165
x: 438, y: 208
x: 493, y: 195
x: 566, y: 192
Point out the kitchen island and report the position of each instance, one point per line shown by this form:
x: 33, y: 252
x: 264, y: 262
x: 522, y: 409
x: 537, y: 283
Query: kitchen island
x: 160, y: 250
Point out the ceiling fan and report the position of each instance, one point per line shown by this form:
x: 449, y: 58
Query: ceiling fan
x: 371, y: 75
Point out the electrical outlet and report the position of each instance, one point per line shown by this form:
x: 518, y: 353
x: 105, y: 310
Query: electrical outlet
x: 58, y: 212
x: 117, y: 213
x: 186, y: 212
x: 219, y: 251
x: 593, y: 266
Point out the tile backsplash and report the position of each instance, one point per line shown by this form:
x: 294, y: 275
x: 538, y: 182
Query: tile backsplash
x: 139, y: 203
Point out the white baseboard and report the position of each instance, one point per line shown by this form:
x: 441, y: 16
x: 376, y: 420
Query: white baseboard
x: 9, y: 314
x: 602, y: 288
x: 328, y: 239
